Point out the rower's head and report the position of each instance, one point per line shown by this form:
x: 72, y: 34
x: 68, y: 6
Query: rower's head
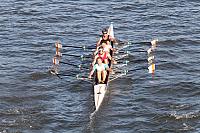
x: 105, y: 31
x: 99, y: 60
x: 100, y: 50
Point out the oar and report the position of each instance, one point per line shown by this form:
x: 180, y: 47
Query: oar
x: 82, y: 77
x: 120, y: 65
x: 55, y: 73
x: 122, y: 52
x: 150, y: 58
x: 64, y: 75
x: 122, y: 62
x: 118, y: 57
x: 152, y: 68
x: 123, y: 47
x: 58, y: 45
x: 57, y: 62
x: 150, y: 50
x: 136, y: 69
x: 82, y: 57
x: 76, y: 47
x: 153, y: 42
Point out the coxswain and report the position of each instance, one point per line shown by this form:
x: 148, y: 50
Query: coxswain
x: 102, y: 69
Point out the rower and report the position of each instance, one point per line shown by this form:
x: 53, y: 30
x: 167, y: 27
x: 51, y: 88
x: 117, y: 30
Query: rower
x: 105, y: 42
x: 101, y: 70
x: 107, y: 47
x: 105, y: 38
x: 104, y: 57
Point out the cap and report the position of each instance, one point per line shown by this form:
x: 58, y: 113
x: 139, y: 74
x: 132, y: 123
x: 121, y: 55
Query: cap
x: 105, y: 31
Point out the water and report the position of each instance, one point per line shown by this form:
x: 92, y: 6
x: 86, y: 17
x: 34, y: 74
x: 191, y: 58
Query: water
x: 33, y: 101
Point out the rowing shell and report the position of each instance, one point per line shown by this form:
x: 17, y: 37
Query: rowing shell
x: 100, y: 89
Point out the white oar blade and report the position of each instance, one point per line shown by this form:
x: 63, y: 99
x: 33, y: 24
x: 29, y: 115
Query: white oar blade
x: 55, y: 61
x: 149, y: 50
x: 58, y: 53
x: 151, y: 68
x: 150, y: 58
x: 154, y: 43
x: 58, y: 45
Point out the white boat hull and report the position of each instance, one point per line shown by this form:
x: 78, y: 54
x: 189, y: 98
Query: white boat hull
x: 100, y: 89
x: 99, y: 93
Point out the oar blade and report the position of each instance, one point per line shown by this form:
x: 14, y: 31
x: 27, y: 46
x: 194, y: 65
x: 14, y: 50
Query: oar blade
x: 152, y: 68
x: 150, y: 58
x: 58, y: 45
x: 154, y: 42
x: 58, y: 54
x: 56, y: 61
x: 150, y: 50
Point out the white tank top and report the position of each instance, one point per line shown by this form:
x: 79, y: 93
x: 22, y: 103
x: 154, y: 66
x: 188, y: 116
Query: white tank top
x: 107, y: 48
x: 100, y: 68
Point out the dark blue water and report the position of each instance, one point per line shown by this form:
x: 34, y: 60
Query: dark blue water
x: 34, y: 101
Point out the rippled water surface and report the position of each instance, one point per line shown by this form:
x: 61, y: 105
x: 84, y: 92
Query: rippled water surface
x: 33, y: 101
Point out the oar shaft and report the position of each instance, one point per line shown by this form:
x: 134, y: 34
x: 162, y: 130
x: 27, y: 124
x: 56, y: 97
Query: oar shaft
x: 79, y: 47
x: 139, y: 51
x: 68, y: 63
x: 71, y: 64
x: 136, y: 69
x: 81, y: 56
x: 69, y: 46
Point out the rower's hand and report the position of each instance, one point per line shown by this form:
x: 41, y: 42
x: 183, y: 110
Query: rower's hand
x: 111, y: 71
x: 89, y: 76
x: 114, y: 49
x: 91, y: 65
x: 114, y: 62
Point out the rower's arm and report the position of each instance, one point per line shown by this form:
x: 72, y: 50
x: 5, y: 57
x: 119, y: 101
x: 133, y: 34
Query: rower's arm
x: 109, y: 57
x: 112, y: 59
x: 109, y: 69
x: 94, y: 61
x: 98, y: 43
x: 92, y: 71
x: 112, y: 39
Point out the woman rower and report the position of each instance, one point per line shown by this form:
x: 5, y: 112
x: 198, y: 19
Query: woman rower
x: 104, y: 57
x: 101, y: 70
x: 105, y: 38
x: 105, y: 42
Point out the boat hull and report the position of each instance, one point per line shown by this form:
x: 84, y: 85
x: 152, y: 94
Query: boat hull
x: 100, y: 89
x: 99, y: 93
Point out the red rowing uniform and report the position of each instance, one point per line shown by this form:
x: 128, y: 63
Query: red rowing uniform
x: 104, y: 57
